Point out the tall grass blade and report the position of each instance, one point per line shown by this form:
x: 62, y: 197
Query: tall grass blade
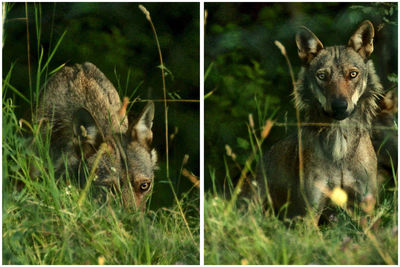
x: 57, y: 69
x: 8, y: 85
x: 28, y: 48
x: 208, y: 70
x: 38, y: 25
x: 92, y: 175
x: 52, y: 53
x: 38, y: 76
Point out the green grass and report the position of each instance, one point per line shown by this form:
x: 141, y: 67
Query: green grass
x: 244, y: 234
x: 42, y: 223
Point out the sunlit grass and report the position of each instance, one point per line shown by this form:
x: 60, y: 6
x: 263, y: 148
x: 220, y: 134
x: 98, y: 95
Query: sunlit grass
x: 43, y: 224
x: 248, y: 235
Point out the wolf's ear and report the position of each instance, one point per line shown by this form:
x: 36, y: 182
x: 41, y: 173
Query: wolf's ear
x: 141, y: 131
x: 308, y: 44
x: 362, y: 40
x: 87, y: 136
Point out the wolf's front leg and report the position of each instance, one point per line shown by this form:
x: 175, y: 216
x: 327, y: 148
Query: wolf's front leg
x: 315, y: 198
x: 365, y: 165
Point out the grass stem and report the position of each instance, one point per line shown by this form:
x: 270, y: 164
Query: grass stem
x: 148, y: 17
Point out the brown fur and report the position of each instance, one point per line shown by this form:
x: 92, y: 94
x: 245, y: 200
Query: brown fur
x: 83, y: 110
x: 338, y: 89
x: 384, y: 137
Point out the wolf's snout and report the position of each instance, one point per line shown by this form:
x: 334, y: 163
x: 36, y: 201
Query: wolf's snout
x: 339, y: 108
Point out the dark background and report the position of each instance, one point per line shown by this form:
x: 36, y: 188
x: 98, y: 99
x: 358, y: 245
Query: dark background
x: 245, y: 64
x: 117, y: 37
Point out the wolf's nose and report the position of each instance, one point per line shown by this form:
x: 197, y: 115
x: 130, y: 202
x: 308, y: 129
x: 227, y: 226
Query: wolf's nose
x: 339, y: 105
x: 339, y: 108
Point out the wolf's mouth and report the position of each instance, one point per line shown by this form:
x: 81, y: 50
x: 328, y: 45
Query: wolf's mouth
x: 339, y: 116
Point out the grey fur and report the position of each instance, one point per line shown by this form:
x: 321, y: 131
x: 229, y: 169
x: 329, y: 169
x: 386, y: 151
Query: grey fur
x: 83, y: 110
x: 384, y: 136
x: 338, y: 152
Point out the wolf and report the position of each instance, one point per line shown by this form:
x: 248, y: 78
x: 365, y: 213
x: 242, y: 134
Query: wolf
x: 336, y: 93
x: 384, y: 136
x: 83, y: 110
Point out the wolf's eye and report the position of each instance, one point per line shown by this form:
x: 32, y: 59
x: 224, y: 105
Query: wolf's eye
x: 144, y: 187
x: 321, y: 76
x: 353, y: 74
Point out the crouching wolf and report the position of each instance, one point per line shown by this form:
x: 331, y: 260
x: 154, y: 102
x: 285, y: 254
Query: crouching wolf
x: 337, y: 92
x: 84, y: 113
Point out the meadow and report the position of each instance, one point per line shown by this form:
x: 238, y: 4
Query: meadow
x: 52, y: 220
x: 247, y: 234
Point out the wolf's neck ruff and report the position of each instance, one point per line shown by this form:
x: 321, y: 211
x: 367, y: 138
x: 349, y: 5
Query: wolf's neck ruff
x: 336, y: 93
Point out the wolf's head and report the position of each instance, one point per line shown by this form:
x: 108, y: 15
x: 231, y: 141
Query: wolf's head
x: 334, y: 80
x: 128, y: 162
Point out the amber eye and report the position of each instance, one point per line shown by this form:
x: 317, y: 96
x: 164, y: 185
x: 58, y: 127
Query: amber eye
x: 144, y: 187
x: 353, y: 74
x: 321, y: 76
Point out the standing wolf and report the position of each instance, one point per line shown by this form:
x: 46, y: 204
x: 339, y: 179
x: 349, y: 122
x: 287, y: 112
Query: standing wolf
x: 337, y: 92
x: 84, y: 112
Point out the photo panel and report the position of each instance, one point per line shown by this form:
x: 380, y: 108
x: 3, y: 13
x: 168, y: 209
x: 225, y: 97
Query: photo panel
x: 300, y: 133
x: 101, y: 143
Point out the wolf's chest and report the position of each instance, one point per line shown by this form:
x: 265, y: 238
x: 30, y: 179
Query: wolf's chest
x: 339, y: 146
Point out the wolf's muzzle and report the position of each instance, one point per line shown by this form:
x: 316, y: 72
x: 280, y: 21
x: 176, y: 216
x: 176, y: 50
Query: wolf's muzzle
x: 339, y: 109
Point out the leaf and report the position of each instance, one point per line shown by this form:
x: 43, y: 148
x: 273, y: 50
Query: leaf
x: 208, y: 70
x: 392, y: 77
x: 53, y: 52
x: 57, y: 69
x: 242, y: 143
x: 16, y: 91
x: 209, y: 94
x: 166, y: 70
